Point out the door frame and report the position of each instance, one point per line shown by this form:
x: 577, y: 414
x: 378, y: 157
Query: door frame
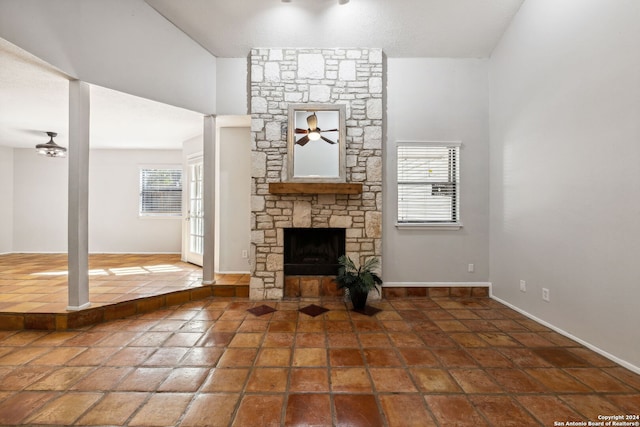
x: 187, y: 255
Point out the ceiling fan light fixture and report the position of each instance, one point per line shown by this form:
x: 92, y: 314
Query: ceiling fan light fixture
x: 51, y: 149
x: 314, y: 135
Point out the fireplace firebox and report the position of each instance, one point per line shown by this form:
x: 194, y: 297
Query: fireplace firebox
x: 313, y: 251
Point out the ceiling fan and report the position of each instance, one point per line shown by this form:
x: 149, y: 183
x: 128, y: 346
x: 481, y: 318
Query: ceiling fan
x: 51, y: 149
x: 313, y: 133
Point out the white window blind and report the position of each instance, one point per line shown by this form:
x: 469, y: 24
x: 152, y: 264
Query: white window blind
x: 160, y: 192
x: 428, y: 183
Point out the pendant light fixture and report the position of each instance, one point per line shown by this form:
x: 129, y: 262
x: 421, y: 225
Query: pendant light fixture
x: 51, y: 149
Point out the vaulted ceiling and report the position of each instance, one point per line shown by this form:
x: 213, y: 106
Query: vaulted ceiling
x: 402, y: 28
x: 34, y: 98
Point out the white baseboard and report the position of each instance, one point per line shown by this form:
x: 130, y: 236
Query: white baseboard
x: 92, y: 253
x: 435, y: 284
x: 134, y: 253
x: 590, y: 346
x: 37, y: 252
x: 78, y: 308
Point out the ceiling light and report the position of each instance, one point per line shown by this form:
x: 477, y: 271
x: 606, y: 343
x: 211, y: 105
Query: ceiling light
x: 339, y: 1
x: 314, y: 135
x: 51, y: 149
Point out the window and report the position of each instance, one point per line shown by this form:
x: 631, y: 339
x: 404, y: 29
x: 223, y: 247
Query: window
x: 160, y: 192
x: 429, y: 184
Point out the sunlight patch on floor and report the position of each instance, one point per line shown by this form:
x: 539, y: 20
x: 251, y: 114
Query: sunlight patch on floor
x: 51, y: 273
x: 163, y: 268
x: 125, y: 271
x: 121, y: 271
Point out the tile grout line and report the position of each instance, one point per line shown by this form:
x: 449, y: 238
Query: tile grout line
x: 600, y: 379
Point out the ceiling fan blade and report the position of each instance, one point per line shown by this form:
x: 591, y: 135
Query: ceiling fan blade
x: 302, y: 141
x: 312, y: 121
x: 33, y: 132
x: 298, y: 130
x: 329, y: 130
x: 328, y: 140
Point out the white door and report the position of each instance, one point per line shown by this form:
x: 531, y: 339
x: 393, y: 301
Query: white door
x: 195, y: 221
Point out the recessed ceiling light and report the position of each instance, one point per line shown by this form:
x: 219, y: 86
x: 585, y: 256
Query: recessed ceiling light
x: 339, y: 1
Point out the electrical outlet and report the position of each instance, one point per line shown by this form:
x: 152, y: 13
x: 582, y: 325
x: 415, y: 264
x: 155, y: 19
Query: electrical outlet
x: 545, y: 295
x: 245, y: 254
x: 470, y: 268
x: 523, y: 286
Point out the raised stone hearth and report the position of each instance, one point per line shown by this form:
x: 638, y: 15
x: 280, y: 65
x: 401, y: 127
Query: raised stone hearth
x: 353, y: 77
x: 311, y: 287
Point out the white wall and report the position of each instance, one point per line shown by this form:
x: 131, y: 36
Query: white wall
x: 119, y: 44
x: 565, y: 174
x: 114, y: 223
x: 439, y: 100
x: 231, y: 86
x: 234, y: 196
x: 39, y: 202
x: 6, y: 195
x: 190, y: 147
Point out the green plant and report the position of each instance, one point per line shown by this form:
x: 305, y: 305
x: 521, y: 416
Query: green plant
x: 358, y: 279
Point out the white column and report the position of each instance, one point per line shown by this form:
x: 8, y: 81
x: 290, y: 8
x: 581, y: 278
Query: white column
x: 208, y: 199
x: 78, y: 210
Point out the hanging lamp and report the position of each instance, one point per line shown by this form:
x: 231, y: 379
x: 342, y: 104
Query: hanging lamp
x: 51, y: 149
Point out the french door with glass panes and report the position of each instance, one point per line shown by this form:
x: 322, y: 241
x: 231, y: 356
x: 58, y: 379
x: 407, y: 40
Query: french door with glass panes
x: 195, y: 220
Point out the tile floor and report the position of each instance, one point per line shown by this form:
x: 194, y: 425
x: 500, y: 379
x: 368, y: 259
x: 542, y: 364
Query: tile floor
x: 419, y: 362
x: 37, y: 283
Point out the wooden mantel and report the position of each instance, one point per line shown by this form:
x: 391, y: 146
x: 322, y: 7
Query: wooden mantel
x: 315, y: 188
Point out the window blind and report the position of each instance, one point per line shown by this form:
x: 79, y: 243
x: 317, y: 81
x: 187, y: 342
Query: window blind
x: 160, y: 192
x: 428, y: 183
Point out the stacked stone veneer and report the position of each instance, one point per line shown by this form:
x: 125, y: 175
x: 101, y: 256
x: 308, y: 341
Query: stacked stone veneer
x: 279, y: 77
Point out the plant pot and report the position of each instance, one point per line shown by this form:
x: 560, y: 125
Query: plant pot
x: 359, y: 300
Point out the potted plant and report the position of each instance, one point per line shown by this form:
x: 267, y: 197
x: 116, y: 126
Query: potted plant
x: 358, y: 280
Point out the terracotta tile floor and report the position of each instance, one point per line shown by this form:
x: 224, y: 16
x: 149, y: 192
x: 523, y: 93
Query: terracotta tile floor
x: 419, y: 362
x: 37, y: 283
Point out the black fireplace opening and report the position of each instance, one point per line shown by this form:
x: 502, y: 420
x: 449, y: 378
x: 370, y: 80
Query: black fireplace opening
x: 313, y: 251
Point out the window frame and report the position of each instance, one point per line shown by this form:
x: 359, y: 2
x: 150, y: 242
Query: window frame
x: 440, y: 225
x: 160, y: 215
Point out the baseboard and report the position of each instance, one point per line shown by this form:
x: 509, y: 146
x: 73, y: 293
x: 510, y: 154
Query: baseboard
x: 435, y: 284
x: 35, y: 252
x: 590, y: 346
x: 232, y: 272
x: 92, y: 253
x: 134, y: 253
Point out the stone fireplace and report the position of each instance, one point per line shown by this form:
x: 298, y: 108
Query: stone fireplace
x: 279, y: 77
